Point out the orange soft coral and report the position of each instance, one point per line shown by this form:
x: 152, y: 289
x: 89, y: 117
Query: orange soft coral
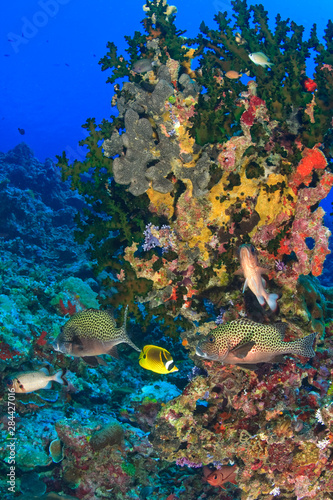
x: 312, y: 159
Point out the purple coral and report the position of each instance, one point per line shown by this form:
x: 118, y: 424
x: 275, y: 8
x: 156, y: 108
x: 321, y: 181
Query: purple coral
x: 158, y: 237
x: 150, y: 240
x: 195, y: 372
x: 279, y: 265
x: 219, y: 320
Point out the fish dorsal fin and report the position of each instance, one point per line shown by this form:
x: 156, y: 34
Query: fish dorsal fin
x: 125, y: 318
x: 241, y: 351
x: 239, y: 272
x: 113, y: 352
x: 44, y: 370
x: 122, y: 334
x: 245, y: 321
x: 281, y: 328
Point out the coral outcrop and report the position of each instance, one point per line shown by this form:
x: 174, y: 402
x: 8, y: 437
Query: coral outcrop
x: 208, y: 151
x: 219, y: 161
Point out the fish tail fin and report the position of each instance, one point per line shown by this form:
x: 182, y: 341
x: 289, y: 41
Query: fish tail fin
x: 303, y: 346
x: 272, y: 301
x: 60, y: 377
x: 261, y: 299
x: 125, y: 335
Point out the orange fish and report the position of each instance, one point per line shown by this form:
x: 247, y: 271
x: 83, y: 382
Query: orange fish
x: 218, y: 477
x: 252, y: 272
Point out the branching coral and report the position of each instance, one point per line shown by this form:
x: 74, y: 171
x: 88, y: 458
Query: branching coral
x: 228, y: 48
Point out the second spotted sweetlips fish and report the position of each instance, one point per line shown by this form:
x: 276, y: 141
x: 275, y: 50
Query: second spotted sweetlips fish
x: 244, y: 342
x: 252, y: 273
x: 90, y: 333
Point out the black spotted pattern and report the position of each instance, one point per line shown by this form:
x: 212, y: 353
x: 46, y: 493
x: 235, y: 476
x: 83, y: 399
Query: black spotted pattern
x: 92, y: 324
x: 267, y: 339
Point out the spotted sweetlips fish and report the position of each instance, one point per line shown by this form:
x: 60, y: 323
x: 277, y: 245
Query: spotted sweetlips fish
x: 245, y: 342
x: 226, y: 474
x: 92, y: 332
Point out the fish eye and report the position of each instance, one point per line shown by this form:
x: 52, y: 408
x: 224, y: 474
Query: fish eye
x: 215, y: 476
x: 211, y: 339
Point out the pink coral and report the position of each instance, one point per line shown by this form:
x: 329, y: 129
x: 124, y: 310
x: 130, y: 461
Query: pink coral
x: 305, y: 224
x: 252, y: 112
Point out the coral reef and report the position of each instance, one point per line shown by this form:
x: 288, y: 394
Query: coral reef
x: 196, y: 163
x: 37, y: 226
x: 276, y: 441
x: 110, y: 435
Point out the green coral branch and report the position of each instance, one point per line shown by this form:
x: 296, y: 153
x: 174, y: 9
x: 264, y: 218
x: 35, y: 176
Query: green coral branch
x: 119, y: 65
x: 281, y: 86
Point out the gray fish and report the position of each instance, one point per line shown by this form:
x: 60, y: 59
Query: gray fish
x: 92, y: 332
x: 244, y: 342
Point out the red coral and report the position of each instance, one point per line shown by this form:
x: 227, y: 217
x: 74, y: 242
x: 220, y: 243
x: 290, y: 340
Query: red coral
x: 41, y: 339
x: 6, y: 352
x: 249, y: 115
x: 69, y: 309
x: 256, y: 101
x: 280, y: 456
x: 309, y: 85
